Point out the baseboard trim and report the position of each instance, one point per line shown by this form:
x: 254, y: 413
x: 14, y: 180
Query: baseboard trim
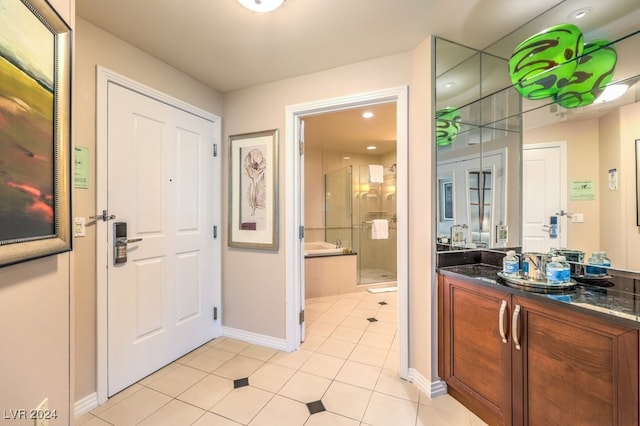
x: 432, y: 389
x: 85, y: 405
x: 255, y: 338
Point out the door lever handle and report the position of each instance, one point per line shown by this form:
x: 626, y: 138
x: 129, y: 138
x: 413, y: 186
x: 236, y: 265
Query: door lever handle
x: 134, y: 240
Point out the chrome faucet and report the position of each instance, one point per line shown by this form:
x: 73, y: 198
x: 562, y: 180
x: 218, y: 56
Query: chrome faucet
x: 338, y: 243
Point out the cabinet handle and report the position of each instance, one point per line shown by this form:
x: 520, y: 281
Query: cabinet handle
x: 515, y: 330
x: 503, y: 309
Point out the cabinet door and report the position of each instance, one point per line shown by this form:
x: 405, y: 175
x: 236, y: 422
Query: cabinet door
x: 475, y: 361
x: 573, y: 368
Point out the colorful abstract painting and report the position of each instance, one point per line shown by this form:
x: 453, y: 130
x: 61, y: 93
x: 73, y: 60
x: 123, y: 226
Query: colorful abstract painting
x: 26, y: 124
x: 35, y: 131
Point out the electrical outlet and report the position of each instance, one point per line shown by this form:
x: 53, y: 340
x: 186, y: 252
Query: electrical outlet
x: 577, y: 218
x: 41, y: 414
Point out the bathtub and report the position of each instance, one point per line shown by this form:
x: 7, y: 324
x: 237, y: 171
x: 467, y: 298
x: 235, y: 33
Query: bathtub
x: 320, y: 248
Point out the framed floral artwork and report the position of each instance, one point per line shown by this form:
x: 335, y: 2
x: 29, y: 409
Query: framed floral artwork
x: 253, y: 190
x: 35, y: 128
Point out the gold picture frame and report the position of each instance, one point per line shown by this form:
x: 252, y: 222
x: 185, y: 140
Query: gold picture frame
x: 253, y: 190
x: 35, y: 126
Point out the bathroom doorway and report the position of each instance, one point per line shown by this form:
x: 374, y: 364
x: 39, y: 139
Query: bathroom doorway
x: 350, y: 165
x: 300, y: 232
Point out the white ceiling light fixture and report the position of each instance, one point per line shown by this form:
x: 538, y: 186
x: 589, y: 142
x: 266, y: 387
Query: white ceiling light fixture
x: 262, y: 6
x: 367, y: 114
x: 611, y: 93
x: 580, y: 13
x: 371, y: 147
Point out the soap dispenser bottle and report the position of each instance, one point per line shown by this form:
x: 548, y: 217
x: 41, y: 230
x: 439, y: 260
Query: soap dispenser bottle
x: 511, y: 264
x: 555, y: 271
x: 566, y: 269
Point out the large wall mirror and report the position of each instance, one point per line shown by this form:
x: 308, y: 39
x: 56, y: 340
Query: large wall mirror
x: 533, y: 174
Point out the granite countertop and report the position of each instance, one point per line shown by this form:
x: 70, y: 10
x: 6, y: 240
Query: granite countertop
x: 602, y: 298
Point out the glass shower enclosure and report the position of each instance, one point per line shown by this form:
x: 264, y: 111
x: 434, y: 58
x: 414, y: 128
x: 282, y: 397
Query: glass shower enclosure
x: 352, y: 203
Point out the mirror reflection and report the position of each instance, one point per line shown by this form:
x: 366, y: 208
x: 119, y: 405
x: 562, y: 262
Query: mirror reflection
x: 532, y: 174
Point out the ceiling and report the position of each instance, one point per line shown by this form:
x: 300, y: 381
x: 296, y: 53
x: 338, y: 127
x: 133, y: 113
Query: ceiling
x: 228, y: 47
x: 348, y: 132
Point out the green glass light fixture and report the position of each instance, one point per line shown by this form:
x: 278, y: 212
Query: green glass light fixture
x: 594, y: 70
x: 543, y: 64
x: 447, y: 125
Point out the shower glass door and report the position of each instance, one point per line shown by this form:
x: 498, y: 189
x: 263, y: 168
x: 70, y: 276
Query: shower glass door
x: 338, y: 208
x: 377, y: 261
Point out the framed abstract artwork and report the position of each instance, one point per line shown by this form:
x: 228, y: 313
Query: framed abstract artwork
x: 253, y: 190
x: 35, y: 126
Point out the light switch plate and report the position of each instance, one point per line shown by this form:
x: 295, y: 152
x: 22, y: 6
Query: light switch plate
x: 577, y: 218
x: 502, y: 234
x: 79, y: 228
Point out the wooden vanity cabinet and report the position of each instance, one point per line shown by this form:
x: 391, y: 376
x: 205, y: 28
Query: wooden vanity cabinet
x: 557, y: 366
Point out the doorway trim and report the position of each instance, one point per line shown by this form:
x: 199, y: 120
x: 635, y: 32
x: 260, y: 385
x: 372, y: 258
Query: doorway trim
x: 105, y: 76
x: 294, y: 254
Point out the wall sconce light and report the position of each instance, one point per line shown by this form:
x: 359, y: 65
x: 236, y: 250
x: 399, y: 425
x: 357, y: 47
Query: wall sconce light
x: 262, y: 6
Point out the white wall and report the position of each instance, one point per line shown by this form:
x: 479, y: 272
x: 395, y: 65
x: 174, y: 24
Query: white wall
x: 629, y: 133
x: 253, y: 301
x: 35, y: 331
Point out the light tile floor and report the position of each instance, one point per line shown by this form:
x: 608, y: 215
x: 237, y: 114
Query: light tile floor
x: 346, y: 370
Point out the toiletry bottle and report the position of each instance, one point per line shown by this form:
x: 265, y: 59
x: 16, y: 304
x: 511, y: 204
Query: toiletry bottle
x: 596, y: 264
x: 555, y: 271
x: 566, y: 269
x: 510, y: 264
x: 606, y: 263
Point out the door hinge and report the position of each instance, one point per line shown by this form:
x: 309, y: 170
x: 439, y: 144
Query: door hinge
x: 215, y: 313
x: 215, y: 231
x: 301, y: 316
x: 301, y: 232
x: 301, y: 147
x: 215, y: 149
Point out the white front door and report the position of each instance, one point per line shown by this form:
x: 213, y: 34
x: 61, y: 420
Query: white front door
x: 543, y: 180
x: 162, y: 180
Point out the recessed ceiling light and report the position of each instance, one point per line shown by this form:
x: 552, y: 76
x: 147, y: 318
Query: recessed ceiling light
x: 580, y: 13
x: 371, y: 147
x: 367, y: 114
x: 346, y: 158
x: 261, y: 5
